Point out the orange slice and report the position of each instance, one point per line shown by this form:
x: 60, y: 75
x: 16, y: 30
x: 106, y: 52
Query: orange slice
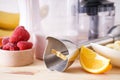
x: 1, y: 41
x: 93, y: 62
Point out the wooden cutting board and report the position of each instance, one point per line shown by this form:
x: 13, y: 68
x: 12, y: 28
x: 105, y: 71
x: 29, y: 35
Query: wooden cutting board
x: 38, y: 71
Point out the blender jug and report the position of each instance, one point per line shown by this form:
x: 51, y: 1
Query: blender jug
x: 61, y: 19
x: 96, y: 17
x: 30, y: 18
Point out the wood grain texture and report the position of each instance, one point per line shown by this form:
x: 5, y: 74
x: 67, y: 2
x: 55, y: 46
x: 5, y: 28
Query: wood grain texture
x: 38, y: 71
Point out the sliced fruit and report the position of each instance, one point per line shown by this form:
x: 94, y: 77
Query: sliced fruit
x: 112, y: 54
x: 1, y: 41
x: 4, y: 33
x: 115, y: 45
x: 8, y: 21
x: 93, y: 62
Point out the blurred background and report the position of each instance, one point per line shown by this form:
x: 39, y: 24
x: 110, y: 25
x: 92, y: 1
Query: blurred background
x: 50, y: 24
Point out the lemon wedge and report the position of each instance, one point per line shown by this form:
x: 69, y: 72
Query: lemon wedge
x: 93, y: 62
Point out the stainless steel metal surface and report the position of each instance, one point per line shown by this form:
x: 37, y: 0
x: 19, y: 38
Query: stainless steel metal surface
x: 93, y: 29
x: 65, y: 47
x: 71, y: 50
x: 103, y: 40
x: 96, y: 17
x: 114, y: 34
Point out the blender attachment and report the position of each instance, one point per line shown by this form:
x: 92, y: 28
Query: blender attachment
x: 70, y: 51
x: 60, y: 47
x: 94, y: 11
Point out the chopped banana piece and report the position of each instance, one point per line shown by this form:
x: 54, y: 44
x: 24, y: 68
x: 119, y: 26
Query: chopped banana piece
x: 115, y: 45
x: 110, y: 46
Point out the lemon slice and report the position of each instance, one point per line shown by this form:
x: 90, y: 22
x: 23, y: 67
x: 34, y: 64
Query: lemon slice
x: 93, y: 62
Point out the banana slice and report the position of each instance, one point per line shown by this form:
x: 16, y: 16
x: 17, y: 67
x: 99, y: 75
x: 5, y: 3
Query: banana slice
x: 112, y: 54
x: 115, y: 45
x: 9, y: 21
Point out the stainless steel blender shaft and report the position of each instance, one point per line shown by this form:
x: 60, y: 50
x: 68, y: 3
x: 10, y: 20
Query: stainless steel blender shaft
x: 114, y: 34
x: 71, y: 50
x: 93, y: 29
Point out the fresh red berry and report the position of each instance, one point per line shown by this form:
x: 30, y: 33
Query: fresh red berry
x: 10, y: 46
x: 5, y: 40
x: 19, y: 34
x: 23, y: 45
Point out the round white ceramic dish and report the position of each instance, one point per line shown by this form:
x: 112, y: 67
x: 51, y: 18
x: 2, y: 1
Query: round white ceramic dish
x: 16, y: 58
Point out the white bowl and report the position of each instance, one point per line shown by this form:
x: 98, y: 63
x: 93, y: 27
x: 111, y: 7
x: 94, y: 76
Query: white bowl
x: 16, y: 58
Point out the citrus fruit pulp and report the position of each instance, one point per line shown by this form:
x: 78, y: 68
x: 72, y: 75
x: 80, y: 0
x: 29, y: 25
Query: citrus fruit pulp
x: 93, y: 62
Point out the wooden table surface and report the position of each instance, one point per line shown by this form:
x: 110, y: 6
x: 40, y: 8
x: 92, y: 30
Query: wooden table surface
x: 38, y: 71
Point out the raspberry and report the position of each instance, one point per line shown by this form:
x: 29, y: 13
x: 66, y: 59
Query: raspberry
x: 23, y: 45
x: 10, y: 46
x: 5, y: 40
x: 19, y: 34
